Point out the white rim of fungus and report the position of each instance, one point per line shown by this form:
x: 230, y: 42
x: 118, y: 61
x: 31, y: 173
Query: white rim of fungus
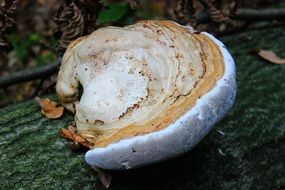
x: 153, y: 147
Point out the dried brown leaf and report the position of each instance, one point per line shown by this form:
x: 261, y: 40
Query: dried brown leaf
x: 72, y: 128
x: 49, y: 108
x: 65, y: 133
x: 105, y: 177
x: 71, y: 135
x: 133, y: 3
x: 271, y: 57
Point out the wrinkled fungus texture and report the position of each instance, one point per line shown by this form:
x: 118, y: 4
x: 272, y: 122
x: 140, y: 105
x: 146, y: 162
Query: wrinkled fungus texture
x: 180, y: 136
x: 136, y: 79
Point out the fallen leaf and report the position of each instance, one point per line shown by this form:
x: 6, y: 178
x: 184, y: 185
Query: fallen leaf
x: 105, y: 177
x: 72, y: 128
x: 49, y: 108
x: 76, y: 139
x: 271, y: 56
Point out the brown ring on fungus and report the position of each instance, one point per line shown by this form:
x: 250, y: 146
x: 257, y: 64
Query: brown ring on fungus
x: 151, y: 91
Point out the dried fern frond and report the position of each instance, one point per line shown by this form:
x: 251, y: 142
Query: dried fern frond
x: 70, y: 23
x: 7, y: 23
x: 75, y: 19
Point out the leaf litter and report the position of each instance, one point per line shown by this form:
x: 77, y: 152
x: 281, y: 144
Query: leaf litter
x: 75, y: 138
x: 271, y: 56
x: 49, y: 108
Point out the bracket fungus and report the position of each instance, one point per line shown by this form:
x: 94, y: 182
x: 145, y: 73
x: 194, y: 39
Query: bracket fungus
x: 151, y: 91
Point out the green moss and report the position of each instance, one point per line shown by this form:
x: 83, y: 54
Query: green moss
x: 244, y: 151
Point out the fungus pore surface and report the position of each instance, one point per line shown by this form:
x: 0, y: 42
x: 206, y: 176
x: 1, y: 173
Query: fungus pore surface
x: 137, y: 79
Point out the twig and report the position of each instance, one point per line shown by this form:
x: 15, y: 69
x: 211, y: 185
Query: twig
x: 262, y: 14
x: 254, y: 28
x: 29, y: 74
x: 38, y: 87
x: 248, y: 15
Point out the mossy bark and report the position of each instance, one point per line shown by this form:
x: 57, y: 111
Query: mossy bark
x: 246, y: 150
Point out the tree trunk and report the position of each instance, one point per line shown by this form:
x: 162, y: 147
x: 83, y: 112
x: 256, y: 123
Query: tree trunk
x: 246, y: 150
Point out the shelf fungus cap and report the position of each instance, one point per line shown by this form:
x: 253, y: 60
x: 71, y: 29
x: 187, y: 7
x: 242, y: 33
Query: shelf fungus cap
x: 151, y: 91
